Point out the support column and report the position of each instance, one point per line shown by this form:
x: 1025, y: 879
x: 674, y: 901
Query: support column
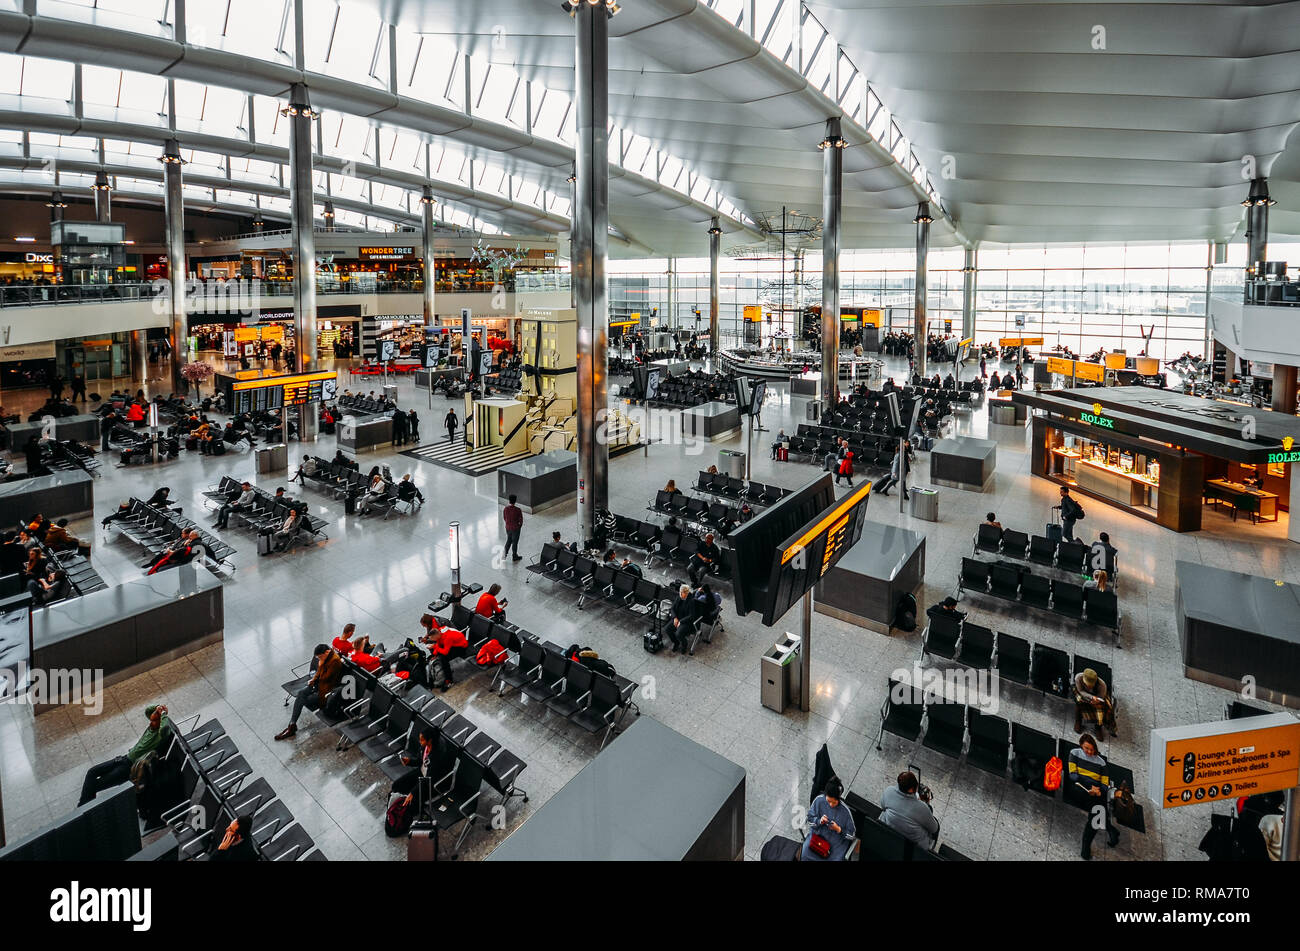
x: 300, y: 116
x: 715, y: 244
x: 968, y: 281
x: 427, y: 201
x: 832, y: 193
x: 103, y: 197
x: 57, y: 206
x: 1284, y: 388
x: 1257, y: 203
x: 174, y: 210
x: 140, y: 354
x: 573, y: 236
x: 919, y: 333
x: 590, y: 236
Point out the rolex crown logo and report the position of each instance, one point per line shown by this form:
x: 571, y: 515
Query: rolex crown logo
x: 1096, y: 408
x: 1288, y: 442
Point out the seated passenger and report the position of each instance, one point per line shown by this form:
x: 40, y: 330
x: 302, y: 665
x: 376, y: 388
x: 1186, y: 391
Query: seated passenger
x: 992, y: 519
x: 830, y: 826
x: 377, y: 489
x: 489, y: 607
x: 329, y: 672
x: 116, y: 771
x: 906, y: 809
x: 288, y: 530
x: 629, y: 566
x: 1093, y: 703
x: 947, y: 606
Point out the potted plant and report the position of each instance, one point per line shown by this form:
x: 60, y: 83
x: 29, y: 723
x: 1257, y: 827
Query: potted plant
x: 196, y: 373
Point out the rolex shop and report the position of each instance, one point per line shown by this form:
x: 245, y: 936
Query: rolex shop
x: 1180, y: 461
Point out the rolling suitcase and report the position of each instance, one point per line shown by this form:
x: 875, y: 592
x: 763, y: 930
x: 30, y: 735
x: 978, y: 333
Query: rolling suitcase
x: 1053, y: 531
x: 264, y: 543
x: 783, y: 454
x: 422, y: 842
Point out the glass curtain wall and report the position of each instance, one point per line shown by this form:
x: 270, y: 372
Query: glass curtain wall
x: 1083, y: 297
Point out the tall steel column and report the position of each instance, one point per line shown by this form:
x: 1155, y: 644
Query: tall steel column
x: 174, y: 211
x: 832, y: 195
x: 300, y: 116
x: 715, y: 244
x: 573, y: 235
x: 57, y: 206
x: 1256, y: 204
x: 969, y: 276
x: 103, y: 197
x: 427, y: 201
x: 919, y: 334
x: 590, y: 235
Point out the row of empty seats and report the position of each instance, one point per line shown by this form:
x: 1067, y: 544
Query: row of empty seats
x: 216, y: 787
x: 1014, y: 659
x: 735, y: 488
x: 1075, y: 557
x: 1019, y: 584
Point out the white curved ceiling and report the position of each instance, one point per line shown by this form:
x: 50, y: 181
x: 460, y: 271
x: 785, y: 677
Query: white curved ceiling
x: 1050, y: 139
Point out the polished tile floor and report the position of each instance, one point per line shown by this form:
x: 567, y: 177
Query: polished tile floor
x: 382, y: 574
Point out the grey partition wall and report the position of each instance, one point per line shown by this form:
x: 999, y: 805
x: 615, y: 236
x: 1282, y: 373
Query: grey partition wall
x: 865, y: 585
x: 84, y: 427
x: 107, y: 829
x: 57, y: 495
x: 1233, y: 625
x: 651, y: 795
x: 130, y: 628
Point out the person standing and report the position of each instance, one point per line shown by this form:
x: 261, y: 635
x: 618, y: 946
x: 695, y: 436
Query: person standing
x: 1071, y: 512
x: 451, y: 422
x: 79, y: 387
x: 513, y: 517
x: 399, y: 428
x: 413, y: 427
x: 106, y: 424
x: 56, y: 385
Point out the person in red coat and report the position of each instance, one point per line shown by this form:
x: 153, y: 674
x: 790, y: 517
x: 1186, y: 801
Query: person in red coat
x: 846, y: 468
x: 489, y: 606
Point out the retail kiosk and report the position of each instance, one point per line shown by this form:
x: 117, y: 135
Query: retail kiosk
x: 1166, y: 456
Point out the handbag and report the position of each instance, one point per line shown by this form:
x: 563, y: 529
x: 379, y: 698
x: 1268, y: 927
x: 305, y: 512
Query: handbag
x: 819, y: 846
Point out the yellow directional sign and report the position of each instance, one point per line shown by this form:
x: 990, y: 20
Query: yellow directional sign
x: 1225, y: 759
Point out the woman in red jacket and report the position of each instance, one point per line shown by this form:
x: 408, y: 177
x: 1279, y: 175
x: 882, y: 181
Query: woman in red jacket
x: 846, y: 468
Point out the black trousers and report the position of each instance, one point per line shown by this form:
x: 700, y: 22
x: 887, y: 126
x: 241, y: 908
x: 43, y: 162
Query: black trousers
x: 103, y: 776
x: 512, y: 542
x: 1090, y: 832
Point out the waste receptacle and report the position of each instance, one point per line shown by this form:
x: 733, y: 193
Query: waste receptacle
x: 814, y: 411
x: 272, y: 458
x: 1002, y: 413
x: 781, y: 674
x: 732, y: 463
x: 390, y: 392
x: 925, y: 503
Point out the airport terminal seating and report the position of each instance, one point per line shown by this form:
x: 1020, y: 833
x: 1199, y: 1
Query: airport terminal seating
x: 1020, y: 584
x: 155, y: 528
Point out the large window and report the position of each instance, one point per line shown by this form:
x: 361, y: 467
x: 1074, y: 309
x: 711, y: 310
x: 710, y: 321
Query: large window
x: 1134, y: 297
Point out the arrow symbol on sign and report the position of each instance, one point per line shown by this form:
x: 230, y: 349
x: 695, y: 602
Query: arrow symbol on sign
x: 1169, y: 798
x: 1173, y: 761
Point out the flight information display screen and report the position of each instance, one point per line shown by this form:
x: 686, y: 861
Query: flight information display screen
x: 254, y: 396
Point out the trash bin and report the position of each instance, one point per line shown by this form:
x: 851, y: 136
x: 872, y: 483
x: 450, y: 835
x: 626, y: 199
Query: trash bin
x: 732, y: 463
x: 814, y: 411
x: 1002, y: 413
x: 390, y: 392
x: 272, y: 458
x: 780, y: 674
x: 925, y: 503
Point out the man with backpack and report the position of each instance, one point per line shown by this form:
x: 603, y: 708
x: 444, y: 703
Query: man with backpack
x: 1071, y: 512
x: 117, y: 770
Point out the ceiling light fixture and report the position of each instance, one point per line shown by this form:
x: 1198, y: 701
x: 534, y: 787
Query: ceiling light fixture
x: 835, y: 141
x: 172, y: 153
x: 571, y: 7
x: 101, y: 182
x: 1258, y: 194
x: 427, y: 198
x: 922, y: 214
x: 56, y: 201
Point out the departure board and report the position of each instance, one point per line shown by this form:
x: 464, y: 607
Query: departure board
x: 254, y: 396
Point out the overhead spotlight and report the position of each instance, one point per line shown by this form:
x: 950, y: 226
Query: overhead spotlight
x: 715, y: 230
x: 572, y: 178
x: 571, y: 7
x: 101, y: 182
x: 427, y: 198
x: 328, y: 212
x: 922, y: 213
x: 833, y: 141
x: 56, y: 201
x: 1258, y: 194
x: 172, y: 153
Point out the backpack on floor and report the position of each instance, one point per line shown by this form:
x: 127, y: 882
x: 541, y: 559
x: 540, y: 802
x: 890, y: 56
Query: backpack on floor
x: 905, y: 613
x: 398, y: 818
x: 1052, y: 774
x: 652, y: 642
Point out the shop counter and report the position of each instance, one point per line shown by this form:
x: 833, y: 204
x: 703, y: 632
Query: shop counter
x: 711, y: 421
x: 62, y: 494
x: 964, y: 463
x: 1259, y: 503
